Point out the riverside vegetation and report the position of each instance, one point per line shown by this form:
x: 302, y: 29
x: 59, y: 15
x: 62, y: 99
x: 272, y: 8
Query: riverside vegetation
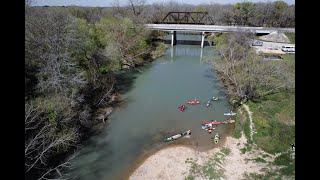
x: 72, y: 67
x: 74, y: 55
x: 268, y: 88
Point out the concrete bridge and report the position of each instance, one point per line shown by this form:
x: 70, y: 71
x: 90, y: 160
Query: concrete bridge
x: 173, y: 28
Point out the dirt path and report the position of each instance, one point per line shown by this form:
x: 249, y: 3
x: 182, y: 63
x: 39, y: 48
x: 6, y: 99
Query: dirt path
x: 251, y: 122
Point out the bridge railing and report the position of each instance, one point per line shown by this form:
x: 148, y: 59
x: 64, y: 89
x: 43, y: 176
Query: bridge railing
x: 215, y: 28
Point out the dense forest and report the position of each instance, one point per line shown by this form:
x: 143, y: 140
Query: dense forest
x: 269, y: 14
x: 71, y: 65
x: 73, y: 56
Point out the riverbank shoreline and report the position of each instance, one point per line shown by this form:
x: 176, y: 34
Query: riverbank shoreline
x: 170, y: 163
x: 182, y: 162
x: 116, y: 95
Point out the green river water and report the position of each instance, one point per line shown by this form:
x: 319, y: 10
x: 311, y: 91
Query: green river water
x: 150, y: 112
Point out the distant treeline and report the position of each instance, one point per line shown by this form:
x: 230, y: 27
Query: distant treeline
x: 269, y: 14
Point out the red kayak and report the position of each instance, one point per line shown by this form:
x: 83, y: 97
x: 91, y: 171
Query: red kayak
x: 193, y: 102
x: 182, y: 108
x: 214, y: 123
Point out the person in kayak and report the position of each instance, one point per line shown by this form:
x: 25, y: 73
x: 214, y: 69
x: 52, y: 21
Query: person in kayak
x: 182, y: 108
x: 212, y: 122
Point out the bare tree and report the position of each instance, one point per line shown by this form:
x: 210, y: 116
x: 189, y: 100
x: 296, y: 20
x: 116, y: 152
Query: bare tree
x: 42, y: 141
x: 137, y: 6
x: 48, y: 38
x: 117, y: 10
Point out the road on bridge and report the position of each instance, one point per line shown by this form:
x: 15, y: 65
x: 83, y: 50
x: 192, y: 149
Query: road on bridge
x: 215, y: 28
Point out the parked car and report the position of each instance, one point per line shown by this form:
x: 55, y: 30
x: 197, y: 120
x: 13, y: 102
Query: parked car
x: 257, y: 43
x: 288, y: 49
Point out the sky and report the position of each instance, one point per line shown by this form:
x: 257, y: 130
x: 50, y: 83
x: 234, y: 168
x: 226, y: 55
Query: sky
x: 108, y: 3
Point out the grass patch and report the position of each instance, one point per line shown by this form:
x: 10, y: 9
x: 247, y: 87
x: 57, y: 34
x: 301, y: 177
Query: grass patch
x: 283, y: 160
x: 225, y: 151
x: 260, y: 160
x: 243, y: 150
x: 238, y: 126
x: 268, y: 175
x: 252, y: 176
x: 291, y: 37
x: 287, y: 163
x: 247, y: 130
x: 248, y: 147
x: 194, y: 166
x: 288, y: 170
x: 288, y: 57
x: 273, y: 119
x: 190, y: 177
x: 212, y: 169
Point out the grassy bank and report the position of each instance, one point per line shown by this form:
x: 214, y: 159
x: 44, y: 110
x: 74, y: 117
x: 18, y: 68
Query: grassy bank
x: 238, y: 128
x: 211, y: 169
x: 274, y: 118
x: 291, y: 37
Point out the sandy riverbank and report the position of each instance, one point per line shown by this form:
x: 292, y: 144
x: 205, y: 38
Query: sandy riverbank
x: 170, y: 163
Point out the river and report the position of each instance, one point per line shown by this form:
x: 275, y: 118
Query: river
x: 150, y: 112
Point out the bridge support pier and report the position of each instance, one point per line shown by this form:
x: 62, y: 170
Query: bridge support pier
x: 173, y: 38
x: 202, y: 39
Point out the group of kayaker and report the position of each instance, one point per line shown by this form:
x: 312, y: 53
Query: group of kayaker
x: 209, y: 125
x: 194, y: 102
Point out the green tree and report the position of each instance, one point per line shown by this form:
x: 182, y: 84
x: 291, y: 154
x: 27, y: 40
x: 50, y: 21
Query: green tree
x: 125, y: 43
x: 243, y: 12
x: 278, y: 11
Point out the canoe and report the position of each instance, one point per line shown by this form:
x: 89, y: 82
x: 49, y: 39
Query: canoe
x: 177, y: 136
x: 193, y: 102
x: 216, y: 138
x: 230, y: 114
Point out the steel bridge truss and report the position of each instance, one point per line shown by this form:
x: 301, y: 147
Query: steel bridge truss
x: 187, y: 18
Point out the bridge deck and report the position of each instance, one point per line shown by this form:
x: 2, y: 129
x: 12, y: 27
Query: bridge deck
x: 215, y: 28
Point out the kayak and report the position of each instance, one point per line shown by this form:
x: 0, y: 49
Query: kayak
x: 230, y: 114
x: 216, y: 138
x: 206, y: 126
x: 216, y: 122
x: 210, y: 130
x: 193, y: 102
x: 208, y: 103
x: 215, y: 98
x: 177, y: 136
x: 182, y: 108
